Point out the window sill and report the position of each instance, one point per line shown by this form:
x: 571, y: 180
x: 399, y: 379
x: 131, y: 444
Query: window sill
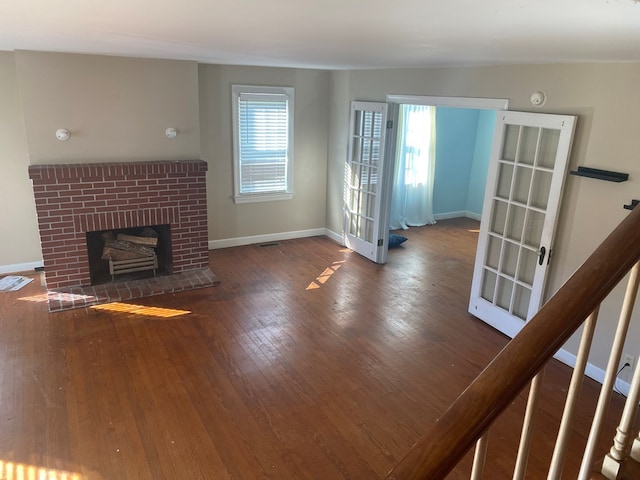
x: 270, y: 197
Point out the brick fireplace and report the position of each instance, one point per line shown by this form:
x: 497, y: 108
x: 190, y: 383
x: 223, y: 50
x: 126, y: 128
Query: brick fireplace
x: 74, y: 199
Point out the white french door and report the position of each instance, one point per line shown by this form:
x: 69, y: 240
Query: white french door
x: 367, y: 185
x: 524, y: 187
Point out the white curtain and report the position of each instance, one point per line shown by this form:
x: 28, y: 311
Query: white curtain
x: 412, y: 196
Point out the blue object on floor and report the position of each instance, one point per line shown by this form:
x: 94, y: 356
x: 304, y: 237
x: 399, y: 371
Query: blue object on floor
x: 396, y: 240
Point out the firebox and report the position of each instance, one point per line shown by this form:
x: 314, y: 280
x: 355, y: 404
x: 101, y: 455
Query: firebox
x: 126, y: 254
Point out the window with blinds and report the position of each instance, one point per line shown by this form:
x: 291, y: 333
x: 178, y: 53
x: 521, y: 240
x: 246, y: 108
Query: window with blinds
x: 263, y: 143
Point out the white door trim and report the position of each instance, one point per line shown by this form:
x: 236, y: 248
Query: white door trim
x: 460, y: 102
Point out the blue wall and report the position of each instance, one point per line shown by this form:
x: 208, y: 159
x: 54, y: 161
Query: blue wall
x: 463, y: 146
x: 481, y: 156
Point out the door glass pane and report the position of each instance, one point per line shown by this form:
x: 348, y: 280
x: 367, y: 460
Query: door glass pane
x: 499, y: 217
x: 510, y: 259
x: 515, y: 223
x: 364, y: 178
x: 354, y: 224
x: 487, y: 290
x: 548, y: 147
x: 528, y: 145
x: 356, y: 153
x: 493, y: 252
x: 504, y: 293
x: 375, y: 152
x: 373, y: 180
x: 510, y: 142
x: 356, y: 175
x: 368, y: 230
x: 376, y: 128
x: 358, y: 125
x: 541, y: 189
x: 354, y: 200
x: 522, y: 184
x: 533, y: 231
x: 505, y: 177
x: 362, y: 227
x: 362, y: 203
x: 366, y: 152
x: 521, y: 300
x: 368, y: 206
x: 368, y: 180
x: 527, y: 267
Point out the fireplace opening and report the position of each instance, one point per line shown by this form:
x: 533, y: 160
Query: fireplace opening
x: 126, y: 254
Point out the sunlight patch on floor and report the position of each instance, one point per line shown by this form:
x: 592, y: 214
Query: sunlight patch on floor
x: 325, y: 275
x: 62, y: 297
x: 140, y: 310
x: 21, y: 471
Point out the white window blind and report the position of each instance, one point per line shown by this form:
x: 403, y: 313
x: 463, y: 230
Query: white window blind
x: 263, y: 141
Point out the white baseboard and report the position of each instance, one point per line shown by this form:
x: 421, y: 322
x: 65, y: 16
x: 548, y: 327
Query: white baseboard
x: 271, y: 237
x: 336, y: 237
x: 591, y: 370
x: 19, y: 267
x: 461, y: 213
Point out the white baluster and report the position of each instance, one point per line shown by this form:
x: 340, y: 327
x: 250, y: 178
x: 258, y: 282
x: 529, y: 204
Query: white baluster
x: 477, y: 471
x: 588, y: 459
x: 527, y: 427
x: 573, y: 396
x: 612, y: 464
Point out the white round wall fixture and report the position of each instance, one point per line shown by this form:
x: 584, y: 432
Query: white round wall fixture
x: 538, y: 98
x: 171, y: 132
x: 62, y: 134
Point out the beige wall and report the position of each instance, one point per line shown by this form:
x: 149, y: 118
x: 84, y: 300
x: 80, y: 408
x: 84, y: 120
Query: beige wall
x: 603, y: 96
x: 19, y: 240
x: 307, y: 210
x: 116, y: 108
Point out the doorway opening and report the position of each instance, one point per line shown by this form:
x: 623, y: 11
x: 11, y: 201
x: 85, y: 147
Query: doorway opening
x: 447, y: 178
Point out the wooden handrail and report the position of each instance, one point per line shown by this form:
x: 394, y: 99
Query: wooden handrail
x: 471, y: 414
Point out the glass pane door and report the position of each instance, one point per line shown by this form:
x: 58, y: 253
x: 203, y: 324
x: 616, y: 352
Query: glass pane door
x: 365, y: 229
x: 523, y: 193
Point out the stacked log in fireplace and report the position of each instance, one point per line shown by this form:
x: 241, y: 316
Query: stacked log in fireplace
x: 130, y: 253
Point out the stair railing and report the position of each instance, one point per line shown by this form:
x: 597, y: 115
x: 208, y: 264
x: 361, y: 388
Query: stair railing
x: 469, y: 417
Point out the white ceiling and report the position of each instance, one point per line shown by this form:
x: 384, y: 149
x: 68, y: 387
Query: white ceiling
x: 334, y: 34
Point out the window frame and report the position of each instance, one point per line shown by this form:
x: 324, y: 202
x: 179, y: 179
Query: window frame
x: 238, y: 195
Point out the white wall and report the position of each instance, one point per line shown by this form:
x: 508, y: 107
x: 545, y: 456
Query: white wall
x: 605, y: 99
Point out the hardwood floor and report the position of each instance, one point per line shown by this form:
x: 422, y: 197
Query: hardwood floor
x: 307, y: 362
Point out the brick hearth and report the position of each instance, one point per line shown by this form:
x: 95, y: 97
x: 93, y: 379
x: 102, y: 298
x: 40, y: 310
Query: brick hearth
x: 74, y: 199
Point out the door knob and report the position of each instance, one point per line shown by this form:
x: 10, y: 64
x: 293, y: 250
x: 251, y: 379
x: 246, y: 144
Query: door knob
x: 541, y: 253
